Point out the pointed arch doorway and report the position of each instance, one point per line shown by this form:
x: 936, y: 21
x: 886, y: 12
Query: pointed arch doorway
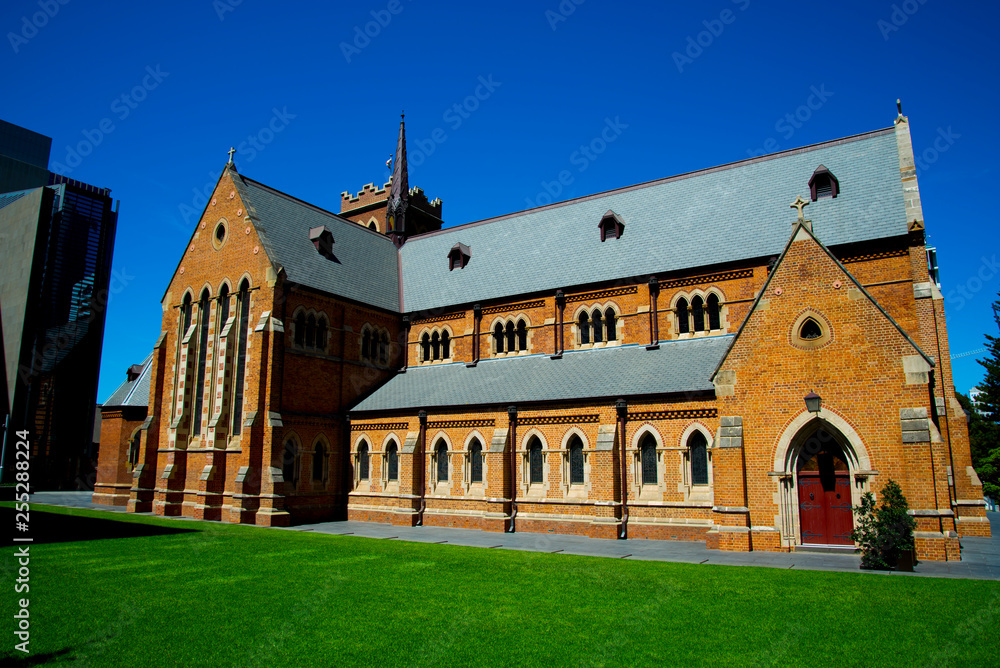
x: 824, y: 489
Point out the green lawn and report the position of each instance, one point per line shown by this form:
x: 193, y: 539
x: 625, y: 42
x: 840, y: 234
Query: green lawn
x: 209, y: 594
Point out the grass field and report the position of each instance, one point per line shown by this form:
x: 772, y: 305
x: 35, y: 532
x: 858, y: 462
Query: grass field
x: 138, y: 591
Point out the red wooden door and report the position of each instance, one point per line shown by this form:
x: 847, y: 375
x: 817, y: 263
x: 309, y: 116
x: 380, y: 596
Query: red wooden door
x: 825, y: 499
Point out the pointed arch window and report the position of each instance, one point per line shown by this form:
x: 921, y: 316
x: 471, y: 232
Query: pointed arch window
x: 319, y: 463
x: 289, y: 464
x: 810, y: 330
x: 133, y: 450
x: 683, y: 326
x: 576, y: 468
x: 186, y: 314
x: 436, y: 346
x: 511, y: 337
x: 363, y: 461
x: 441, y: 459
x: 522, y: 335
x: 243, y: 305
x: 445, y: 345
x: 498, y: 338
x: 366, y: 345
x: 425, y: 347
x: 199, y: 387
x: 475, y: 461
x: 598, y: 323
x: 300, y: 330
x: 647, y: 453
x: 584, y: 328
x: 610, y: 323
x: 392, y: 462
x: 535, y: 463
x: 698, y: 314
x: 383, y: 349
x: 698, y: 454
x: 321, y: 333
x: 311, y: 331
x: 714, y: 312
x: 223, y: 307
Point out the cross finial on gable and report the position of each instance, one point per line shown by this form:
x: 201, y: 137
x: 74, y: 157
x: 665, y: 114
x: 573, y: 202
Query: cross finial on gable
x: 231, y: 151
x: 799, y: 204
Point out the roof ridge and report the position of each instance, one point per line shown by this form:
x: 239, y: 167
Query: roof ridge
x: 667, y: 179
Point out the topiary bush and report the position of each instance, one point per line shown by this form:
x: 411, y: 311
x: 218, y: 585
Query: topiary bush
x: 885, y: 532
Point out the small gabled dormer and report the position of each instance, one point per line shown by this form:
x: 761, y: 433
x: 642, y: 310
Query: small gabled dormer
x: 823, y: 184
x: 322, y: 239
x: 612, y: 226
x: 459, y: 256
x: 133, y: 372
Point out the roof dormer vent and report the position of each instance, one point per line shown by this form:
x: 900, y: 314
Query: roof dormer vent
x: 823, y: 184
x: 133, y: 372
x: 322, y: 239
x: 612, y: 226
x: 459, y: 256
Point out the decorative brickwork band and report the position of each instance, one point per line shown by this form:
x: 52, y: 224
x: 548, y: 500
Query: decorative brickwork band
x: 676, y: 415
x: 602, y: 294
x: 379, y: 426
x: 708, y: 278
x: 558, y: 419
x: 460, y: 424
x: 457, y: 315
x: 538, y: 303
x: 902, y: 252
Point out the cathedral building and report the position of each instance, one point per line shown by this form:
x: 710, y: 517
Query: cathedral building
x: 733, y: 355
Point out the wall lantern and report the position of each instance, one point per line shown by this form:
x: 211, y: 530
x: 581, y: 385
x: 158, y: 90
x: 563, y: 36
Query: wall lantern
x: 813, y: 402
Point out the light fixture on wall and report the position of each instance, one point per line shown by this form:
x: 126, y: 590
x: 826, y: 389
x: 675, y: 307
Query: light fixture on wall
x: 814, y: 403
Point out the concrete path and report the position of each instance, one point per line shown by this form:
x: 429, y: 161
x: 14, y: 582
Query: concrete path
x: 980, y: 556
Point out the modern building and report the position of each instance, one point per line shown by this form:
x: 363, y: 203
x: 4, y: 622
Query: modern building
x: 58, y: 237
x: 733, y: 355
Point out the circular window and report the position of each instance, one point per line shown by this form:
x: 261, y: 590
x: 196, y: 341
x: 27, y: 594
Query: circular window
x: 219, y: 238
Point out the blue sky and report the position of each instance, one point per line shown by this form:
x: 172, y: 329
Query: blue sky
x: 499, y: 99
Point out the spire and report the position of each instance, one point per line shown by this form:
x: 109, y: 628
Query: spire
x: 399, y: 194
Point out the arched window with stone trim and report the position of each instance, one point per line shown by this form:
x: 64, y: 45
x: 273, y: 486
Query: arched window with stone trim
x: 392, y: 462
x: 445, y: 345
x: 511, y: 337
x: 597, y: 320
x: 698, y: 458
x: 383, y: 349
x: 290, y: 464
x: 683, y: 324
x: 425, y: 347
x: 584, y: 328
x: 441, y: 460
x: 199, y: 386
x: 698, y: 314
x: 522, y: 335
x: 300, y: 329
x: 223, y: 307
x: 475, y: 461
x: 536, y: 463
x: 435, y: 346
x: 185, y: 314
x: 714, y: 312
x: 311, y: 331
x: 321, y: 333
x: 576, y: 462
x: 498, y: 338
x: 363, y: 461
x: 243, y: 305
x: 647, y: 455
x: 611, y: 324
x: 366, y: 344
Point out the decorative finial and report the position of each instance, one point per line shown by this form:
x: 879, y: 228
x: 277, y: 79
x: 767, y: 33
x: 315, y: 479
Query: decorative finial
x: 402, y: 114
x: 799, y: 204
x: 231, y: 151
x: 899, y: 106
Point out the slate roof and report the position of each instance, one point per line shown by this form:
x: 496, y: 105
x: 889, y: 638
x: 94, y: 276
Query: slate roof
x: 726, y: 213
x: 366, y: 269
x: 621, y: 371
x: 135, y: 392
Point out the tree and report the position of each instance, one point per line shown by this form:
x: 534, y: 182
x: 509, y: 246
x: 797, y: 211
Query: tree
x: 884, y: 532
x: 984, y: 419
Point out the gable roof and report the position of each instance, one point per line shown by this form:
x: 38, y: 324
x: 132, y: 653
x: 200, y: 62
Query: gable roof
x: 763, y: 290
x: 620, y: 371
x: 727, y: 213
x: 133, y: 392
x: 366, y: 268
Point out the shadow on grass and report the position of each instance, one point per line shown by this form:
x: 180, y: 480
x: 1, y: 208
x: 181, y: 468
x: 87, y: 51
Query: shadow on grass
x: 56, y: 528
x: 20, y: 659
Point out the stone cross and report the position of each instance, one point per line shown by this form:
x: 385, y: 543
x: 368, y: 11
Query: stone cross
x: 231, y: 151
x: 799, y: 203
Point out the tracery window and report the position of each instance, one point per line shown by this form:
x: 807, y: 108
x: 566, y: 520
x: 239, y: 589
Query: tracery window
x: 510, y: 337
x: 598, y: 326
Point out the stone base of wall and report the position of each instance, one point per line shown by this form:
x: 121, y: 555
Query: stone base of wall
x: 932, y: 546
x: 110, y: 496
x: 729, y: 539
x: 600, y: 529
x: 974, y: 526
x: 667, y: 531
x: 768, y: 541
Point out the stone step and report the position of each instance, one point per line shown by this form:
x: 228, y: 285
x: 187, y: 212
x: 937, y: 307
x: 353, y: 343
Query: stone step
x: 826, y: 549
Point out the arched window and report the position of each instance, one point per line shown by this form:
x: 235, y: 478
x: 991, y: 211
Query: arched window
x: 372, y: 226
x: 363, y: 460
x: 810, y: 330
x: 611, y: 324
x: 575, y: 461
x: 647, y: 451
x: 311, y: 332
x: 714, y: 314
x: 498, y: 338
x: 133, y: 450
x: 511, y: 336
x: 366, y: 345
x: 289, y: 465
x: 186, y: 314
x: 383, y: 349
x: 584, y: 328
x: 522, y: 335
x: 199, y: 387
x: 445, y: 345
x: 223, y: 307
x: 698, y: 314
x: 475, y: 461
x: 243, y: 304
x: 425, y: 347
x: 698, y: 452
x: 598, y: 323
x: 441, y: 457
x: 321, y: 333
x: 535, y: 472
x: 392, y: 461
x: 300, y: 329
x: 436, y: 345
x: 319, y: 463
x: 682, y: 316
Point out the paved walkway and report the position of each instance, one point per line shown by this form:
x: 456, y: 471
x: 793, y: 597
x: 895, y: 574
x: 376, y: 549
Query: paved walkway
x: 980, y: 556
